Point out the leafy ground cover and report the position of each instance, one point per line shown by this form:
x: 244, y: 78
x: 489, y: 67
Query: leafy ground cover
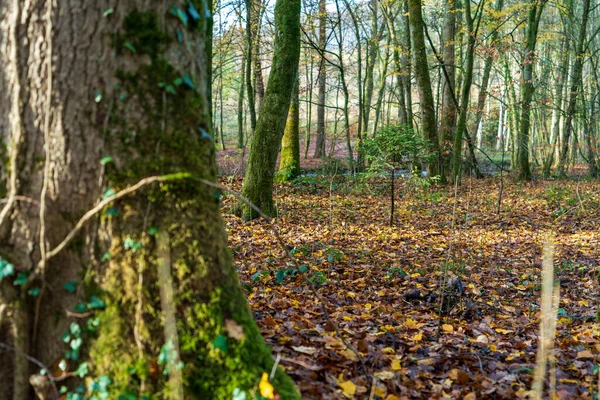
x: 382, y: 286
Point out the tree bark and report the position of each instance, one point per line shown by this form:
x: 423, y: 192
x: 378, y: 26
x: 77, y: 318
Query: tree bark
x: 80, y: 84
x: 289, y: 164
x: 527, y: 89
x: 322, y: 82
x: 428, y: 123
x: 258, y: 182
x: 449, y: 108
x: 575, y: 87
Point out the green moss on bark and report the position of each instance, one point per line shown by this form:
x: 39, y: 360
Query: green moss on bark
x: 289, y: 164
x: 164, y: 131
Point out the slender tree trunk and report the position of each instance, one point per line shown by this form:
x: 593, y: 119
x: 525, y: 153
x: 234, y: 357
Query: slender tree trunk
x: 399, y: 70
x: 575, y: 86
x: 289, y: 164
x: 382, y: 84
x: 461, y: 125
x: 249, y: 57
x: 372, y: 49
x: 309, y: 94
x: 62, y: 133
x: 449, y: 108
x: 428, y: 123
x: 322, y: 82
x: 406, y: 63
x: 527, y: 88
x: 240, y: 110
x: 258, y: 182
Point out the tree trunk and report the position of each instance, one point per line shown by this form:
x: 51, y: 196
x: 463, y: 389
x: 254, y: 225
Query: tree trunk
x: 322, y: 82
x: 89, y: 89
x: 449, y: 108
x: 372, y: 48
x: 428, y: 123
x: 289, y: 164
x: 527, y: 89
x: 240, y: 110
x: 406, y: 64
x: 258, y: 182
x: 249, y: 56
x: 575, y: 86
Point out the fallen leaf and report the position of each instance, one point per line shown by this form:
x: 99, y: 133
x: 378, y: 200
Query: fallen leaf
x: 348, y: 387
x: 396, y: 365
x: 305, y: 349
x: 234, y: 330
x: 585, y: 354
x: 266, y: 389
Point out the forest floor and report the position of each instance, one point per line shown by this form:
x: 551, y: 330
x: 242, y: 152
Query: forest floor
x: 381, y: 286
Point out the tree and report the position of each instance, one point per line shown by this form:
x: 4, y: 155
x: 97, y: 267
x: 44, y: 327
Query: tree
x: 527, y: 87
x: 449, y: 108
x: 289, y: 164
x: 322, y: 82
x: 428, y: 123
x: 575, y: 86
x: 258, y: 182
x: 133, y: 106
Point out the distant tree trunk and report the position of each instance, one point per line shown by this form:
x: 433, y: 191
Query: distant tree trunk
x: 575, y: 86
x: 61, y: 131
x: 428, y: 123
x: 449, y: 108
x: 249, y: 57
x: 382, y: 84
x: 310, y: 83
x: 258, y: 182
x: 461, y: 125
x: 406, y: 63
x: 289, y: 164
x: 527, y: 88
x: 485, y: 79
x: 399, y: 69
x: 322, y: 82
x: 259, y: 83
x: 372, y: 50
x: 240, y: 110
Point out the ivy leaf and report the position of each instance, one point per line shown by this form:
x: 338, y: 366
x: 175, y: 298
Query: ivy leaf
x: 80, y: 308
x: 75, y: 329
x: 220, y: 342
x: 105, y: 257
x: 122, y: 96
x: 62, y: 365
x: 21, y: 279
x: 280, y: 276
x: 152, y: 231
x: 66, y: 337
x: 108, y: 12
x: 183, y: 17
x: 76, y: 343
x: 170, y: 89
x: 108, y: 193
x: 106, y: 160
x: 179, y: 36
x: 165, y: 352
x: 178, y: 82
x: 188, y: 81
x: 129, y: 47
x: 97, y: 96
x: 193, y: 12
x: 95, y: 303
x: 238, y: 394
x: 112, y: 211
x: 6, y: 269
x: 132, y: 245
x: 70, y: 286
x: 33, y: 292
x: 82, y: 370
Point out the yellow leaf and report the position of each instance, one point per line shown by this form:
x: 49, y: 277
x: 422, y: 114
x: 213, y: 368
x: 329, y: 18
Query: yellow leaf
x: 350, y: 355
x: 396, y: 365
x: 470, y: 396
x: 380, y: 392
x: 347, y: 318
x: 368, y: 306
x: 411, y: 324
x: 584, y: 354
x: 266, y: 389
x: 418, y: 337
x: 391, y: 397
x: 348, y: 387
x: 503, y: 331
x: 447, y: 328
x: 388, y: 350
x: 493, y: 347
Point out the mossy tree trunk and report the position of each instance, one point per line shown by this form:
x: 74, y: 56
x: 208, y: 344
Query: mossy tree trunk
x: 428, y: 122
x: 115, y: 81
x: 258, y: 182
x: 527, y: 88
x: 289, y: 163
x: 449, y: 108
